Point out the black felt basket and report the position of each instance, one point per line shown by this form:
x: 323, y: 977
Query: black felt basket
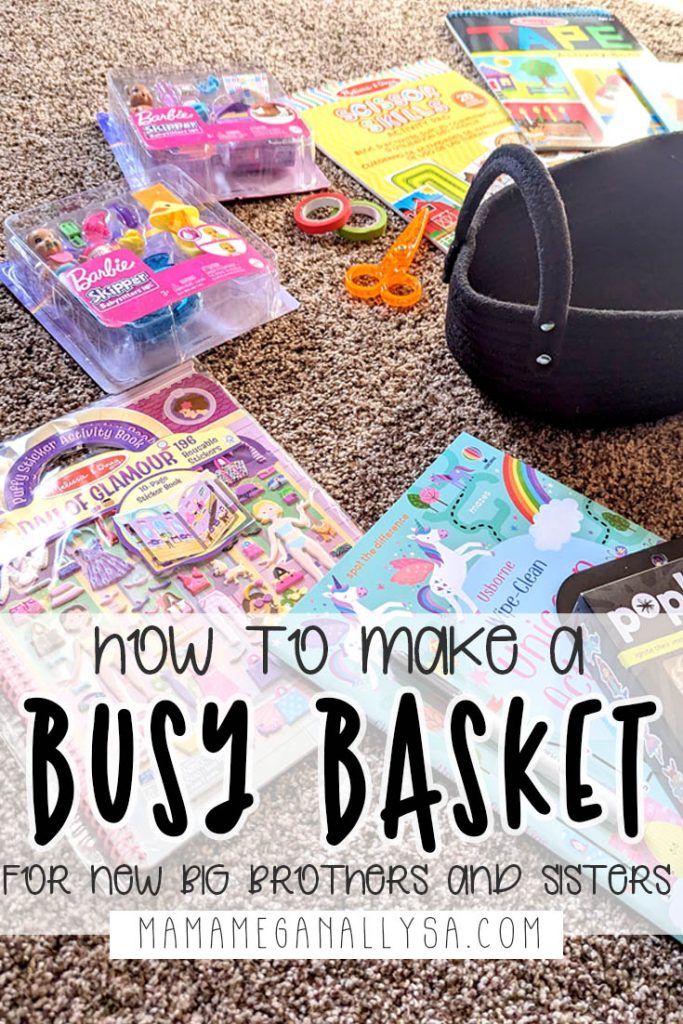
x: 566, y: 288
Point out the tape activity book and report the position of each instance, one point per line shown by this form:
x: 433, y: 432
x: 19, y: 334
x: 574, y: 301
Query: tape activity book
x: 182, y: 504
x: 414, y: 135
x: 556, y: 73
x: 482, y: 532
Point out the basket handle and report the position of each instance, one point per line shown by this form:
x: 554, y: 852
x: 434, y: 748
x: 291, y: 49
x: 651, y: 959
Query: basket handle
x: 549, y: 221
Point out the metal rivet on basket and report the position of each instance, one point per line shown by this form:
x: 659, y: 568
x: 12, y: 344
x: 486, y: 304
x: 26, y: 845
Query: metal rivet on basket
x: 544, y: 359
x: 550, y: 326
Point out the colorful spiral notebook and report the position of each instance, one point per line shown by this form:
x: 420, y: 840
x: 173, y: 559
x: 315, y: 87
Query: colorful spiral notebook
x: 482, y: 532
x: 556, y: 73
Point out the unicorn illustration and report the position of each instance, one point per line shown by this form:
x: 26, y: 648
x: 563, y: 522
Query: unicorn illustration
x: 459, y: 476
x: 446, y: 568
x: 349, y: 601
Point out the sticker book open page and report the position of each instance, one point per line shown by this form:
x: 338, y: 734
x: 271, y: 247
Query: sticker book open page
x: 556, y: 73
x: 413, y: 135
x: 483, y: 534
x: 169, y: 503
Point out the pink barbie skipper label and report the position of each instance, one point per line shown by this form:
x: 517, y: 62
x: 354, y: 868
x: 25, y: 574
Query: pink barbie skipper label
x: 119, y: 287
x: 170, y: 127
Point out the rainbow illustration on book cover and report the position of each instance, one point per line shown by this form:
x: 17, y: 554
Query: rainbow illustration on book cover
x: 482, y: 532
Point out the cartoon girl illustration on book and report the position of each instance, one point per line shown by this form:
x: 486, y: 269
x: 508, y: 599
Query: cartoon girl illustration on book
x: 287, y: 539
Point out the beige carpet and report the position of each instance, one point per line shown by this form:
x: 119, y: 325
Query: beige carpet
x: 364, y: 398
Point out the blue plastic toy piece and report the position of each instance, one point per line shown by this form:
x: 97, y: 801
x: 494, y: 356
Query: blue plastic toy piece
x: 157, y: 324
x: 208, y: 87
x: 200, y: 108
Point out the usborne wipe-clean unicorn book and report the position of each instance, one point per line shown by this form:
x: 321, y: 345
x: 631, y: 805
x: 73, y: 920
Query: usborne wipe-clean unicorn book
x: 482, y: 532
x: 479, y: 531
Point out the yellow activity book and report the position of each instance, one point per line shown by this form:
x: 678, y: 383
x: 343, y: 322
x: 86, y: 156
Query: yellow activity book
x: 413, y: 135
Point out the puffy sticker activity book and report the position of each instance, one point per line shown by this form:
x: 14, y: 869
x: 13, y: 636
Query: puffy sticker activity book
x: 169, y: 502
x: 481, y: 532
x: 556, y: 73
x: 413, y: 135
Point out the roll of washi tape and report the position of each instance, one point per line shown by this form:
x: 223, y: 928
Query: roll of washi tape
x: 341, y: 211
x: 364, y: 232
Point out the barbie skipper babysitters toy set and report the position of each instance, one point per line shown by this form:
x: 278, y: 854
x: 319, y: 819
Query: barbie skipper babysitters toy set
x: 232, y: 131
x: 134, y: 281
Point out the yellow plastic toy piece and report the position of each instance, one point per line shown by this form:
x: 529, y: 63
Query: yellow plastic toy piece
x: 165, y: 216
x: 132, y: 240
x: 390, y: 280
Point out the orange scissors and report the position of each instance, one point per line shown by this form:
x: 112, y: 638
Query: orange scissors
x: 390, y: 280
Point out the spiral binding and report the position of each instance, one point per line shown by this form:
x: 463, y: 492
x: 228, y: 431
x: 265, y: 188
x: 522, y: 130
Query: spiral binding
x: 530, y: 12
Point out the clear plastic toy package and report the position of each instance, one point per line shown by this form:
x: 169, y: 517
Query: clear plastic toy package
x: 231, y: 131
x: 134, y: 281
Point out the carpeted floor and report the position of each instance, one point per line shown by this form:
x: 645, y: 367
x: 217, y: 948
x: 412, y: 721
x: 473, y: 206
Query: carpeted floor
x: 364, y: 397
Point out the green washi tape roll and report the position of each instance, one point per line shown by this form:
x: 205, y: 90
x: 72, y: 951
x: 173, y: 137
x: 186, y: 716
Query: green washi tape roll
x: 364, y: 232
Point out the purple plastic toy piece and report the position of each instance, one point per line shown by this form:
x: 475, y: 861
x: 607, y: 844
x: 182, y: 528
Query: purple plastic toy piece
x: 126, y: 215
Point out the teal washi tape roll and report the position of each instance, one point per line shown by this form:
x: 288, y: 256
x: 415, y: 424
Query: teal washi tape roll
x: 364, y: 232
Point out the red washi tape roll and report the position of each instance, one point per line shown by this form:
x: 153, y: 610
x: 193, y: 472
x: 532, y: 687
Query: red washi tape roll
x: 340, y: 205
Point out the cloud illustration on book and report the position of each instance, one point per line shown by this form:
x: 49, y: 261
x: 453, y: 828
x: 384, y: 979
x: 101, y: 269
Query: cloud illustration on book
x: 555, y: 523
